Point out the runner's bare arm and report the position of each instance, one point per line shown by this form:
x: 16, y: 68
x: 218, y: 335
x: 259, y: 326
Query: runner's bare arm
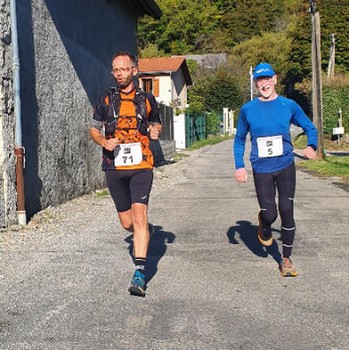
x: 97, y: 137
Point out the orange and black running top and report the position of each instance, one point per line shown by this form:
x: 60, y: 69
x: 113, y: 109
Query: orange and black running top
x: 127, y: 118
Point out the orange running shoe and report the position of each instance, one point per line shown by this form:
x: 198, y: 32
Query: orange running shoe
x: 287, y: 269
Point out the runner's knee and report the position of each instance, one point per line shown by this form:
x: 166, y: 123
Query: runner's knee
x: 269, y: 215
x: 286, y: 211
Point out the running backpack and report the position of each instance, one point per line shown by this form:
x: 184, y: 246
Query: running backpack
x: 139, y: 102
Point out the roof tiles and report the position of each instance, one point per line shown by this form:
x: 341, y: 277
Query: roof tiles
x: 160, y: 64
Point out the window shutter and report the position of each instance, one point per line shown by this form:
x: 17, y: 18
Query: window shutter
x: 156, y: 87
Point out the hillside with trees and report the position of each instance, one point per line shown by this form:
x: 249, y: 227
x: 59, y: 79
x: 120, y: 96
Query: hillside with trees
x: 249, y: 31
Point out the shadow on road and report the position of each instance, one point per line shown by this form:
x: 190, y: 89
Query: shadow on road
x: 157, y: 249
x: 248, y: 235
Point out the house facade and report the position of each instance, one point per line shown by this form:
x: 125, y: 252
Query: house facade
x: 168, y: 78
x: 64, y: 57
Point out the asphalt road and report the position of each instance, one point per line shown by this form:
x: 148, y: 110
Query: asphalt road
x: 211, y: 285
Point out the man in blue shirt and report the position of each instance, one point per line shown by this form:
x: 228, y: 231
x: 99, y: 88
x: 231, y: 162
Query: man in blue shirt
x: 267, y: 119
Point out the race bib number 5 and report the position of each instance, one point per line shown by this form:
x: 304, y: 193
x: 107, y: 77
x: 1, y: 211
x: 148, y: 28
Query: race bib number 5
x: 128, y: 154
x: 269, y: 146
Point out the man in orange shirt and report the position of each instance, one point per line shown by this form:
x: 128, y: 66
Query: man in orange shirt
x: 130, y: 118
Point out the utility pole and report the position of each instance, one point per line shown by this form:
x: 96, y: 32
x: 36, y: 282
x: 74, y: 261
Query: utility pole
x: 330, y: 70
x: 316, y: 76
x: 251, y: 83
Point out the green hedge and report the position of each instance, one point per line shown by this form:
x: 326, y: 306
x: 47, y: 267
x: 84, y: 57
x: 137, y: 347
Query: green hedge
x: 335, y: 96
x: 334, y: 99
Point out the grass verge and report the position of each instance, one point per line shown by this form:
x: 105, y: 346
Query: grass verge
x: 334, y: 164
x: 210, y: 141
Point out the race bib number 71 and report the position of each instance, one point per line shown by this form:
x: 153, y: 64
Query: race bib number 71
x: 270, y: 146
x: 128, y: 154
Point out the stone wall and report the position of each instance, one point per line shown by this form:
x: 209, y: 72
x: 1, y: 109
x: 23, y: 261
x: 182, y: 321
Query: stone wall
x: 65, y: 50
x: 8, y: 196
x: 168, y: 149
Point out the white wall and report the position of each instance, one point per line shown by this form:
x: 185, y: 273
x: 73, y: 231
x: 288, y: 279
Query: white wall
x: 179, y: 89
x: 172, y: 87
x: 165, y: 90
x: 179, y: 130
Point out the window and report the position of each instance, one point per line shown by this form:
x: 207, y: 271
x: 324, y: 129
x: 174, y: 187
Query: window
x: 147, y: 85
x: 151, y: 85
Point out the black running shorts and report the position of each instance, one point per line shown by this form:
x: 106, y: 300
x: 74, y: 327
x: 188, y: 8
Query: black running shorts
x: 129, y: 186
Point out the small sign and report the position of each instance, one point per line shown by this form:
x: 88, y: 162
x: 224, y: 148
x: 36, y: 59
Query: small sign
x: 338, y: 131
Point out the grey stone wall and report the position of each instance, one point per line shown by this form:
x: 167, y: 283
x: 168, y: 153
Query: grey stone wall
x: 65, y: 50
x: 168, y: 149
x: 7, y: 158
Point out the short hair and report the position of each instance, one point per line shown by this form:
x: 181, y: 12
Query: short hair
x: 128, y: 54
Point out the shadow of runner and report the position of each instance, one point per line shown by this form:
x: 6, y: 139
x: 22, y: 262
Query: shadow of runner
x: 157, y: 249
x: 248, y: 235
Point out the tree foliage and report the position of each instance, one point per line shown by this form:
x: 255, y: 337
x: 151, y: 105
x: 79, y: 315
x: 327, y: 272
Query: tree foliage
x: 183, y: 27
x: 334, y: 19
x: 214, y: 90
x: 209, y: 26
x: 268, y: 47
x: 246, y: 19
x: 249, y: 31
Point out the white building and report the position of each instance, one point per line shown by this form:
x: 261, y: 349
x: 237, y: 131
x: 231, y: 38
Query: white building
x: 167, y: 78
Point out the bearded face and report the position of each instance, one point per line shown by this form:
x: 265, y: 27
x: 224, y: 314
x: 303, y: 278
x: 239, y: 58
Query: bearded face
x: 124, y: 71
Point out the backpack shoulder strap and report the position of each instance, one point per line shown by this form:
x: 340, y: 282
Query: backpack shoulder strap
x: 141, y: 108
x: 114, y: 104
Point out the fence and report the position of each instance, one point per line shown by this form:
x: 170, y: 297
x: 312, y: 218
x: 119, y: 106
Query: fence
x: 166, y: 113
x: 195, y: 129
x: 165, y: 148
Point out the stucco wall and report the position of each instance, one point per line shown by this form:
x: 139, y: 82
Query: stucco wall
x: 172, y: 87
x: 65, y: 50
x: 180, y: 90
x: 165, y: 90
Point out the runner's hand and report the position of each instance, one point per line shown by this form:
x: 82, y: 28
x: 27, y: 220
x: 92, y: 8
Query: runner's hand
x: 110, y: 144
x: 241, y: 175
x: 310, y: 153
x: 154, y: 131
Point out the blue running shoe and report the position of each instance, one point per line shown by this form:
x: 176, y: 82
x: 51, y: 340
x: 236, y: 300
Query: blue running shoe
x: 138, y: 285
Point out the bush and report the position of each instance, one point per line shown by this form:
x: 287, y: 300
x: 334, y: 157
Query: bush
x: 335, y: 92
x: 213, y: 123
x: 335, y: 98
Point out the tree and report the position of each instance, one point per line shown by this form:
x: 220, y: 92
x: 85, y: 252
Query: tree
x: 151, y: 50
x: 183, y: 27
x: 245, y: 19
x: 299, y: 32
x: 214, y: 89
x: 334, y: 17
x: 268, y: 47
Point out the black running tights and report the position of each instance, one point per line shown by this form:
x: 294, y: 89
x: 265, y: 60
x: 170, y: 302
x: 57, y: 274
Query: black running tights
x: 266, y: 184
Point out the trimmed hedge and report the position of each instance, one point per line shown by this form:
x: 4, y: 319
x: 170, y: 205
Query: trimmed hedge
x: 334, y: 99
x: 335, y: 96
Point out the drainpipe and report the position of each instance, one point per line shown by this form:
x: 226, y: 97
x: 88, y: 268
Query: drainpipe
x: 19, y: 149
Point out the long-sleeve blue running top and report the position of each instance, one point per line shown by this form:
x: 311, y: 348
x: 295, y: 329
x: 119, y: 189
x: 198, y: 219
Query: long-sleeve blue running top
x: 268, y: 123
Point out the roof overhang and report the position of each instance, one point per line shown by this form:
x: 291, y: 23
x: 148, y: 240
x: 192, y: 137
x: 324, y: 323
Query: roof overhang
x: 146, y: 7
x: 143, y: 7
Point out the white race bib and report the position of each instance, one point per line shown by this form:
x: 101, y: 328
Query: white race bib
x: 128, y: 154
x: 270, y: 146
